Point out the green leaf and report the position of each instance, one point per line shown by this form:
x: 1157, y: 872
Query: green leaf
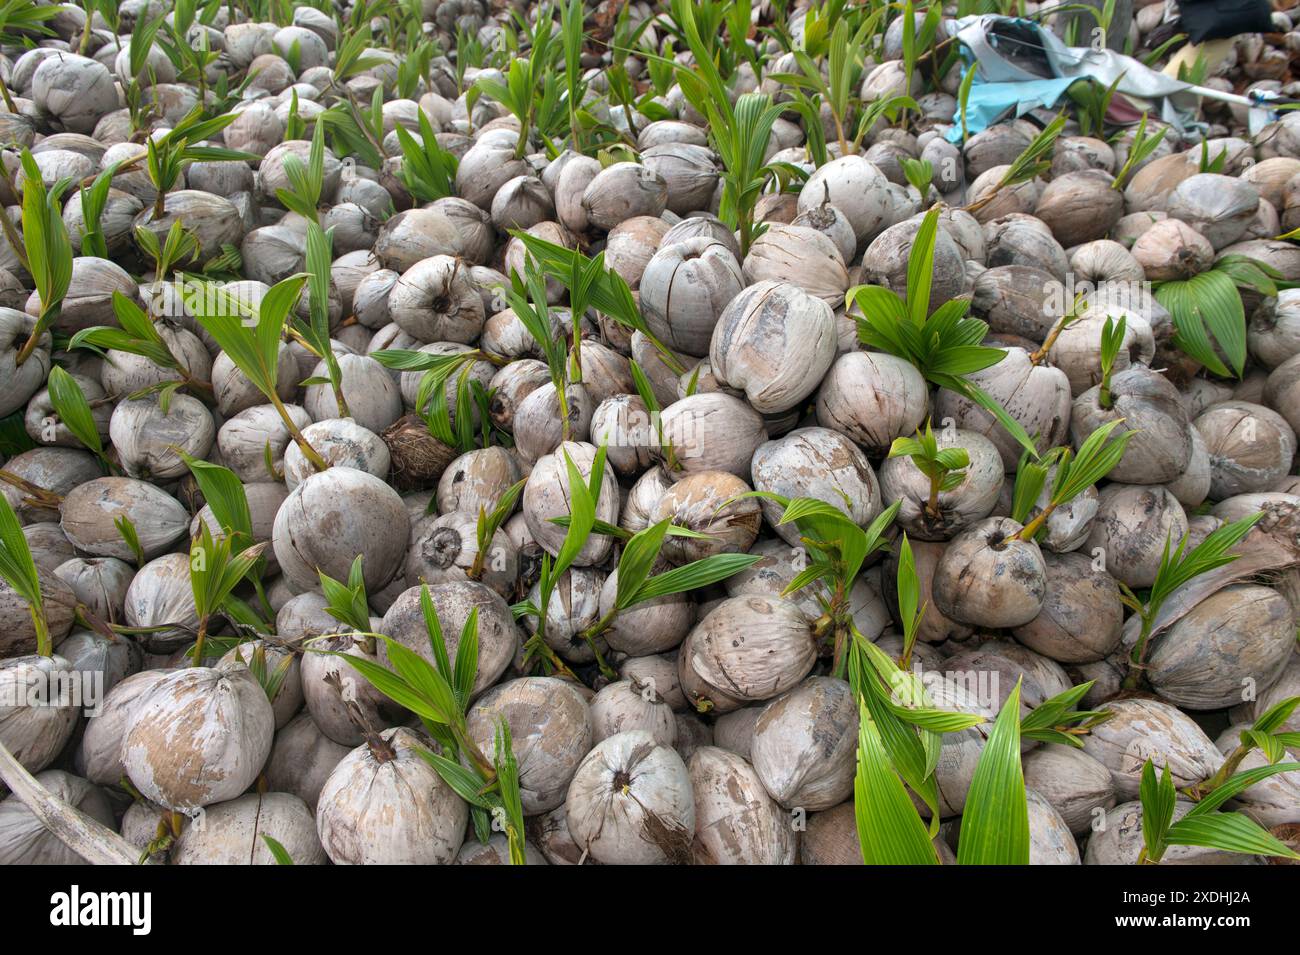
x: 1237, y: 784
x: 225, y: 494
x: 73, y: 410
x: 637, y: 560
x: 995, y: 823
x: 890, y: 831
x: 1227, y: 831
x: 1158, y: 797
x: 699, y: 573
x: 279, y: 852
x: 466, y: 660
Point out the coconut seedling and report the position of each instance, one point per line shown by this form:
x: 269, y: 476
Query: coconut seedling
x: 1035, y: 160
x: 93, y: 202
x: 943, y: 346
x: 251, y: 336
x: 1268, y: 734
x: 1203, y: 824
x: 314, y: 332
x: 19, y: 22
x: 170, y: 154
x: 19, y: 571
x: 838, y: 549
x: 428, y: 170
x: 944, y: 468
x: 137, y: 335
x: 529, y: 91
x: 1178, y: 566
x: 74, y: 413
x: 48, y: 253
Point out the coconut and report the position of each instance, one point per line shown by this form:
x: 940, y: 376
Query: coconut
x: 799, y: 256
x: 342, y: 443
x: 1080, y: 206
x: 855, y: 187
x: 631, y: 802
x: 970, y: 500
x: 622, y: 424
x: 477, y: 480
x: 1250, y: 446
x: 331, y: 687
x: 215, y: 223
x: 1105, y: 260
x: 774, y: 341
x: 89, y: 300
x: 1172, y: 249
x: 621, y: 191
x: 1082, y: 614
x: 1035, y: 395
x: 1149, y: 405
x: 302, y: 759
x: 90, y: 509
x: 746, y: 649
x: 38, y: 709
x: 1218, y: 207
x: 737, y: 823
x: 74, y: 90
x: 550, y: 732
x: 1019, y: 239
x: 1132, y: 526
x: 574, y: 608
x: 334, y: 516
x: 99, y: 754
x: 984, y: 580
x: 684, y: 289
x: 832, y: 224
x: 1050, y: 840
x: 651, y: 626
x: 279, y: 659
x: 634, y: 514
x: 713, y: 503
x: 99, y: 583
x: 453, y: 603
x: 19, y: 382
x: 27, y: 839
x: 485, y: 168
x: 688, y: 170
x: 540, y: 421
x: 1240, y: 636
x: 1075, y: 784
x: 445, y: 548
x: 1118, y: 840
x: 656, y: 673
x: 236, y: 832
x: 1077, y: 350
x: 414, y: 235
x: 960, y: 752
x: 383, y: 804
x: 1272, y: 801
x: 101, y: 659
x: 245, y: 440
x: 17, y: 630
x: 58, y: 470
x: 1016, y: 300
x: 199, y: 737
x: 886, y: 259
x: 817, y: 463
x: 435, y: 300
x: 804, y: 745
x: 711, y: 432
x: 546, y: 495
x: 1140, y: 729
x: 627, y: 705
x: 571, y: 182
x: 150, y: 440
x: 873, y: 398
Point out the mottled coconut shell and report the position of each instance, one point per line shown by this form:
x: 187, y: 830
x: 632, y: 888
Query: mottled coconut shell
x: 1141, y: 729
x: 631, y: 802
x: 1233, y: 641
x: 199, y: 737
x: 302, y: 758
x: 983, y: 581
x: 550, y: 731
x: 477, y: 480
x: 99, y: 755
x: 746, y: 649
x: 626, y: 705
x: 818, y: 463
x: 1250, y: 447
x: 736, y: 822
x: 394, y: 810
x: 1082, y: 615
x: 804, y: 745
x: 232, y: 833
x: 1080, y: 206
x: 684, y: 289
x: 712, y: 431
x: 697, y: 502
x: 1149, y: 405
x: 1077, y: 786
x: 972, y: 499
x: 873, y: 398
x: 546, y: 495
x: 25, y: 839
x: 1132, y: 525
x: 90, y: 509
x: 35, y: 734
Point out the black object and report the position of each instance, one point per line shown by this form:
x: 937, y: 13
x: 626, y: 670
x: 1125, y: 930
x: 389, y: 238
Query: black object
x: 1205, y: 20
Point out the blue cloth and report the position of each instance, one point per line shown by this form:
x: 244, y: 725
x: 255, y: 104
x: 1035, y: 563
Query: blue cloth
x: 990, y: 102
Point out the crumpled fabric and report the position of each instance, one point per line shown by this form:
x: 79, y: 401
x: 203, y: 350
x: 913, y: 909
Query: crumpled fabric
x: 1020, y: 66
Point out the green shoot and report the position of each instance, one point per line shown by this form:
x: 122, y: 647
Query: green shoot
x: 1267, y: 734
x: 137, y: 335
x: 1178, y: 567
x: 1112, y: 340
x: 428, y: 170
x: 1138, y: 151
x: 1075, y: 473
x: 945, y: 467
x: 19, y: 571
x: 73, y: 410
x: 1203, y: 825
x: 944, y: 347
x: 215, y: 570
x: 1035, y: 160
x: 49, y: 253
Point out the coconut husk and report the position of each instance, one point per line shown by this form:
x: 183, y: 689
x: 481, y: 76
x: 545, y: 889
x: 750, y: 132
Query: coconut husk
x: 1271, y: 548
x: 418, y: 458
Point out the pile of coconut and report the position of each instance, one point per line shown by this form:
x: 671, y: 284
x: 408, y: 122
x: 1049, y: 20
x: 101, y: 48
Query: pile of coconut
x: 711, y: 725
